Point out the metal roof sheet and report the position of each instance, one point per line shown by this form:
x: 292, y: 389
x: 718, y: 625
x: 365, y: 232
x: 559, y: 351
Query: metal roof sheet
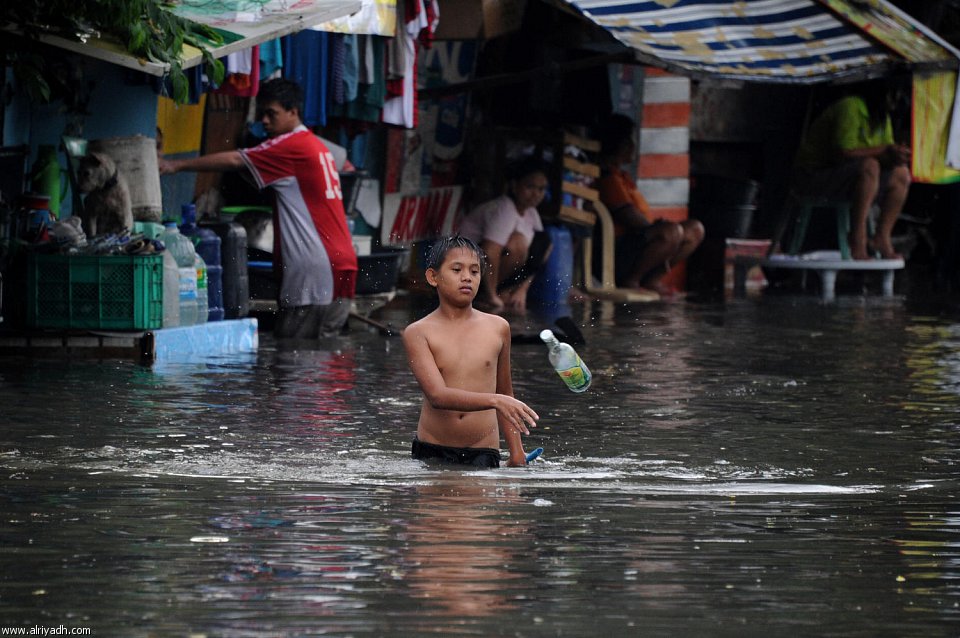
x: 241, y: 30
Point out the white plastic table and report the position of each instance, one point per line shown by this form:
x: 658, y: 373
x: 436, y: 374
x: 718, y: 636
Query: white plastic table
x: 827, y: 263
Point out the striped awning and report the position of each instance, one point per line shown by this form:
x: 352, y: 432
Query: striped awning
x: 799, y: 41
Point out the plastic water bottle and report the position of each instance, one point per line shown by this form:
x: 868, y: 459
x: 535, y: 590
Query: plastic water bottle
x: 171, y: 291
x: 207, y: 244
x: 567, y: 362
x: 202, y: 307
x: 182, y: 250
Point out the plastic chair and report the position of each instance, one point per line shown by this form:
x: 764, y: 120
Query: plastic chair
x: 804, y: 211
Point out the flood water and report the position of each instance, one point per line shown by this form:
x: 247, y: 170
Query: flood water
x: 761, y: 467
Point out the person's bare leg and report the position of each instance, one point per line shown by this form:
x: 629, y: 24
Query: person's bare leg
x: 693, y: 234
x: 488, y: 299
x: 894, y: 195
x: 864, y: 194
x: 662, y: 243
x: 514, y: 256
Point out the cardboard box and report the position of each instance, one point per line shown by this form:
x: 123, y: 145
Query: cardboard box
x: 484, y: 19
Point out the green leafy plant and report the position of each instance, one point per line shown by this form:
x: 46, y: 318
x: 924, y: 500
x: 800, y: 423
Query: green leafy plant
x: 146, y: 28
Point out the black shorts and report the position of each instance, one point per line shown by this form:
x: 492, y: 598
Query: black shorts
x: 473, y: 456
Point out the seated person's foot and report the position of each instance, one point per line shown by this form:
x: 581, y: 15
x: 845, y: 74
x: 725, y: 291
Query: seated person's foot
x: 666, y: 291
x: 858, y: 248
x: 883, y: 249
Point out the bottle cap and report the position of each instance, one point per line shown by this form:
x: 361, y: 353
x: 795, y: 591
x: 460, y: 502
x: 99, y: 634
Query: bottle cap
x: 188, y: 214
x: 547, y: 336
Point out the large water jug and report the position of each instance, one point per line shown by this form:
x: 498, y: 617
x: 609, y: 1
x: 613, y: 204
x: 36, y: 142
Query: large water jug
x: 171, y: 291
x: 207, y: 244
x: 233, y: 260
x: 182, y: 250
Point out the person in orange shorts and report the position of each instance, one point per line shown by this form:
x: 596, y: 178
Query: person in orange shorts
x: 645, y: 249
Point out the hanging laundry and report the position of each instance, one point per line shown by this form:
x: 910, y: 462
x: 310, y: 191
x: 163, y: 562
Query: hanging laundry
x: 306, y: 60
x: 351, y: 67
x: 368, y: 104
x: 401, y: 106
x: 338, y: 50
x: 271, y: 58
x: 368, y: 61
x: 242, y: 73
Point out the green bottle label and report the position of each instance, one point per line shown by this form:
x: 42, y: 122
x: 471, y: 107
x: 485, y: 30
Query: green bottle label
x: 573, y: 377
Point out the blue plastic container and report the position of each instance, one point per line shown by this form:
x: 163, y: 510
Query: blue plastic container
x: 552, y: 283
x: 215, y: 310
x: 233, y: 258
x: 207, y: 244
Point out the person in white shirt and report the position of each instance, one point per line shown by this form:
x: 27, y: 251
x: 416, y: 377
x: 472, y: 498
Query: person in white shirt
x: 510, y: 232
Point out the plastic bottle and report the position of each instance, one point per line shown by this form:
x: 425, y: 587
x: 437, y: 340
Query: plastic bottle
x: 567, y: 362
x: 46, y: 177
x: 171, y: 291
x: 202, y: 299
x: 207, y: 243
x: 182, y: 250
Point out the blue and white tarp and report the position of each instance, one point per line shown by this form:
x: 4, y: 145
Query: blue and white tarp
x: 800, y: 41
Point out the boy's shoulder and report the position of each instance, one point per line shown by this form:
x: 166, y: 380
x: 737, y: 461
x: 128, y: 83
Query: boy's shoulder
x: 437, y: 317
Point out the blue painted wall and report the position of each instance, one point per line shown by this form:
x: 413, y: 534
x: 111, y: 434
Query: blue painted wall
x: 122, y: 103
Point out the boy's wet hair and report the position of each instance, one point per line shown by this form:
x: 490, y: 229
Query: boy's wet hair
x: 443, y: 245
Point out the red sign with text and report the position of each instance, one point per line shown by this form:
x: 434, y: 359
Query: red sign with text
x: 410, y: 218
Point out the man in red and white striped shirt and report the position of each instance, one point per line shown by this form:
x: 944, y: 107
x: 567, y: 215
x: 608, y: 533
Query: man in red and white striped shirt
x: 313, y: 249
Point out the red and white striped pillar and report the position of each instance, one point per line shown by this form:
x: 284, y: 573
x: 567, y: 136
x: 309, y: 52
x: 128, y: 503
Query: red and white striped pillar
x: 663, y: 164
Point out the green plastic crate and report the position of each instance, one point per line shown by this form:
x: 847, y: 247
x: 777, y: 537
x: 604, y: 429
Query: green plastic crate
x: 114, y: 292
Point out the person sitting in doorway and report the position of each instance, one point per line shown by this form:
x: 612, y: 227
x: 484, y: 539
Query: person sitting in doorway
x: 849, y: 151
x: 645, y: 249
x: 510, y: 232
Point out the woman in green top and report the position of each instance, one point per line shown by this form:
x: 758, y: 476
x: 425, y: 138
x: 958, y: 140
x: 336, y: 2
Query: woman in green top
x: 850, y: 151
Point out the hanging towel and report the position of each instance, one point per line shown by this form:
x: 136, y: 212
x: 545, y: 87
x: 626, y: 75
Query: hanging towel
x: 337, y: 60
x: 351, y: 67
x: 306, y: 60
x: 271, y: 58
x: 370, y: 96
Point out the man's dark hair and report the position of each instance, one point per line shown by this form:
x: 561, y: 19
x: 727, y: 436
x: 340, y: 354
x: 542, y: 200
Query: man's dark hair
x: 613, y: 131
x: 283, y: 91
x: 443, y: 245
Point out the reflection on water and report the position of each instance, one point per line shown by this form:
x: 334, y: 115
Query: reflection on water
x: 463, y: 555
x: 773, y: 467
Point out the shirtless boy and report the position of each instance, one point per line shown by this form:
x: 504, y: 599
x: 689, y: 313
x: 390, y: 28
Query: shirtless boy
x: 460, y: 356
